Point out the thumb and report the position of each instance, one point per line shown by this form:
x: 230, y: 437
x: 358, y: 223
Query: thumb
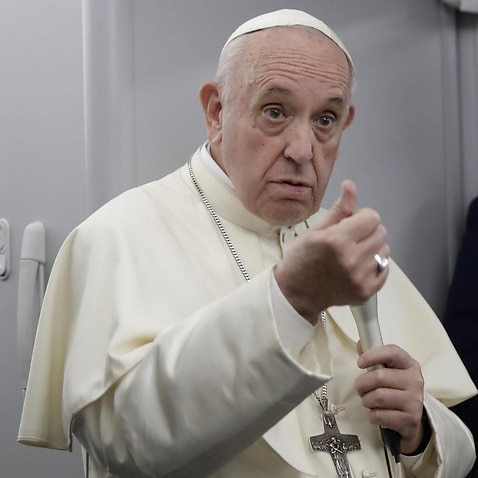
x: 343, y: 207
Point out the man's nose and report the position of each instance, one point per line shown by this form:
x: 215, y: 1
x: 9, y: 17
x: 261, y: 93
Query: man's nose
x: 299, y: 146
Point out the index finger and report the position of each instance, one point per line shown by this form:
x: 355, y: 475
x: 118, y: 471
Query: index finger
x: 390, y: 355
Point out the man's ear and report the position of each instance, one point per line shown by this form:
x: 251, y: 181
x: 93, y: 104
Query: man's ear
x: 212, y: 107
x: 350, y: 117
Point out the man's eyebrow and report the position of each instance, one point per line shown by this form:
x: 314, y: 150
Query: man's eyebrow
x: 280, y: 90
x: 337, y: 99
x: 287, y: 91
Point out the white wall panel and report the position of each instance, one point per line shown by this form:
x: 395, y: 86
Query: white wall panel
x: 108, y: 39
x: 42, y: 178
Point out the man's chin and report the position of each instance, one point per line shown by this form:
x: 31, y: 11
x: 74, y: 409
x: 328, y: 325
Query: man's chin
x: 286, y: 215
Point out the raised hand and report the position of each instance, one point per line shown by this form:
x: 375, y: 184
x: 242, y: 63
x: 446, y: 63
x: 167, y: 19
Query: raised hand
x: 333, y: 262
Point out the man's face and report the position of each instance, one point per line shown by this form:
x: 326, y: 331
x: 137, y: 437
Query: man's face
x: 277, y: 137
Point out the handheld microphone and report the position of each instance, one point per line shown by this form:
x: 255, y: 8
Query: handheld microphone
x: 366, y: 318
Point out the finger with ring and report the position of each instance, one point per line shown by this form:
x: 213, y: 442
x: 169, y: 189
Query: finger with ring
x: 382, y: 263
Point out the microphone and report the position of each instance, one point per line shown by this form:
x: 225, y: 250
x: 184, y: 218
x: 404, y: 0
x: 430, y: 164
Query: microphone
x: 366, y: 318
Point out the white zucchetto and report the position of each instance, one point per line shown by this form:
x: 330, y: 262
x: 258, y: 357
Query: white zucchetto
x: 288, y: 17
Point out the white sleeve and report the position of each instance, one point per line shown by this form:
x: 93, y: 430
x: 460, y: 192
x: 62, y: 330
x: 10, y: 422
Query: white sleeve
x: 451, y: 451
x: 207, y: 389
x: 294, y: 331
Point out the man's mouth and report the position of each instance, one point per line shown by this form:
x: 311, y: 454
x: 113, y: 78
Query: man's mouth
x: 294, y: 186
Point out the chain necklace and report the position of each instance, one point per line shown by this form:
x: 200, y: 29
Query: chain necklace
x: 218, y: 222
x: 331, y: 441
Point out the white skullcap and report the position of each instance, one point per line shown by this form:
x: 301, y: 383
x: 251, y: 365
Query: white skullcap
x: 288, y: 17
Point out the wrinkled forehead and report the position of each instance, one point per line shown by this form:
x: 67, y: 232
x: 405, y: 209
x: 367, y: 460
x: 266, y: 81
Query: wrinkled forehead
x: 293, y: 52
x: 288, y: 17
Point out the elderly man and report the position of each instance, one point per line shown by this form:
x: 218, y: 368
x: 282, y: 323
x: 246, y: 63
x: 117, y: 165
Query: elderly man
x: 200, y: 325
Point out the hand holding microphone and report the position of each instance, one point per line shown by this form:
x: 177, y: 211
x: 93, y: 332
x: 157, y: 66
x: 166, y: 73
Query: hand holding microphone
x: 366, y: 318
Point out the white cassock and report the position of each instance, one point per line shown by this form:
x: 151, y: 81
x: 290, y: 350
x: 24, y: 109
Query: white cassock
x: 154, y: 350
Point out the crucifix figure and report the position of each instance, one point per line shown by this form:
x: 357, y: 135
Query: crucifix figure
x: 333, y: 442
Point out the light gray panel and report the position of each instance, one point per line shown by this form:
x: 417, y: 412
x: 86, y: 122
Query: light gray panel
x: 42, y: 178
x: 109, y: 99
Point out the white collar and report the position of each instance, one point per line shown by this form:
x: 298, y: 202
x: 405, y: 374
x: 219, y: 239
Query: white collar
x: 213, y: 167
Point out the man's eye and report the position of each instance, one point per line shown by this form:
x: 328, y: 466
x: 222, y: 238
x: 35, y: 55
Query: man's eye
x: 326, y: 120
x: 274, y: 112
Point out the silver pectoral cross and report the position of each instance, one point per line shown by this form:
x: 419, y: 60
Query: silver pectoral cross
x: 333, y: 442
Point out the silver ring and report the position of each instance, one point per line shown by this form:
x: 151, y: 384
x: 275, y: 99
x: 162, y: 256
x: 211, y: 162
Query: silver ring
x: 382, y: 263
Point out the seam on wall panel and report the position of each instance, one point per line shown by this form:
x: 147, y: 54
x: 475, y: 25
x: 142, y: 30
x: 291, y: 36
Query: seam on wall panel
x: 451, y: 136
x: 109, y: 99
